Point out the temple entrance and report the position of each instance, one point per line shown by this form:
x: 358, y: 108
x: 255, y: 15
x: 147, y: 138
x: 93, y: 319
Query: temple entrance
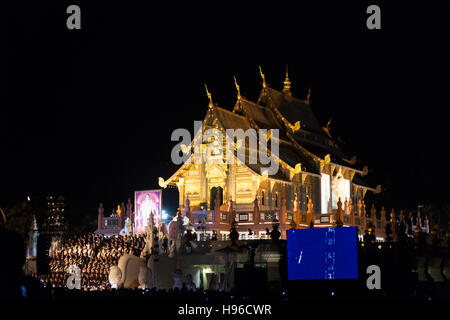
x: 214, y: 192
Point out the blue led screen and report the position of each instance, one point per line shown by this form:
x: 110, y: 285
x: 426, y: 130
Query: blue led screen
x: 322, y: 253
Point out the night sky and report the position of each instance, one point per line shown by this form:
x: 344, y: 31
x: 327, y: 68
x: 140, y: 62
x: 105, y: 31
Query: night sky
x: 89, y: 113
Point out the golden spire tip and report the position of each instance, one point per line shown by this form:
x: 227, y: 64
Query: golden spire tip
x: 287, y: 82
x: 263, y: 77
x: 237, y: 88
x: 209, y: 96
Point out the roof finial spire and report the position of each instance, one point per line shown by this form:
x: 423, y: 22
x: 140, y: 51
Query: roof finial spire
x: 237, y: 88
x: 308, y: 96
x: 287, y: 82
x: 209, y: 96
x: 263, y: 77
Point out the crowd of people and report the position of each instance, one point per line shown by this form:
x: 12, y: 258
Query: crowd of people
x: 93, y: 255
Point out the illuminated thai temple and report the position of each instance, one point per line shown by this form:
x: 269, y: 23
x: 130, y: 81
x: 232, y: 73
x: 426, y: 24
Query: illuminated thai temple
x: 316, y: 184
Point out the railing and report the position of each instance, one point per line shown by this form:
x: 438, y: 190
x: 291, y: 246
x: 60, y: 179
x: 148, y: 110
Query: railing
x: 301, y: 219
x: 226, y: 237
x: 325, y: 219
x: 225, y: 216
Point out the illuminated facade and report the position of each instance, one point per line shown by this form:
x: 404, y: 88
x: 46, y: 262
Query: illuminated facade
x: 313, y: 173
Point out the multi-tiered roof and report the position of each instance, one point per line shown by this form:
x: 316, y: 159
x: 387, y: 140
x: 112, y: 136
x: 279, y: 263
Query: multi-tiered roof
x: 302, y: 140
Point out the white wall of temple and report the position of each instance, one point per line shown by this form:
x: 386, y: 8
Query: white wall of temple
x: 331, y: 189
x: 325, y: 193
x: 340, y: 188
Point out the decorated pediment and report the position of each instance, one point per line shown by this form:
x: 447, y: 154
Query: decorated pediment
x: 215, y: 171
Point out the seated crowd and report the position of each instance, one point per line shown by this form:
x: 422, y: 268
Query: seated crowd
x: 93, y: 254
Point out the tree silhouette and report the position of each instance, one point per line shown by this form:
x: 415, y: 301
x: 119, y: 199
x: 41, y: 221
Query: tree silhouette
x: 19, y: 218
